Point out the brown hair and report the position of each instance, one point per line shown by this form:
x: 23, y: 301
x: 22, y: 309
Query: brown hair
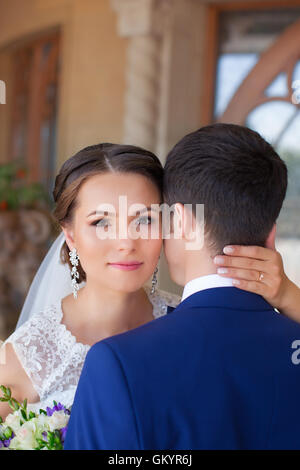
x: 91, y: 161
x: 236, y: 174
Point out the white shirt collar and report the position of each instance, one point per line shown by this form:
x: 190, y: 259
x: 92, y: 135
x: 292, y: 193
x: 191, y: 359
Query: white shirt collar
x: 205, y: 282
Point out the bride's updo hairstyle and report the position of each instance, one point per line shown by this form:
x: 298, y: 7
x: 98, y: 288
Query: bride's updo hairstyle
x: 95, y: 160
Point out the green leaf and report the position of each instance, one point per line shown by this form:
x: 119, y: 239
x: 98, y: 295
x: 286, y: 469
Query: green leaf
x: 8, y: 432
x: 25, y: 404
x: 11, y: 404
x: 51, y: 439
x: 3, y: 389
x: 32, y: 415
x: 16, y: 404
x: 24, y: 416
x: 43, y: 412
x: 41, y: 444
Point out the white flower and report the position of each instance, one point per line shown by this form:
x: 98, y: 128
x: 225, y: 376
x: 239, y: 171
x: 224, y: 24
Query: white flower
x: 13, y: 421
x: 58, y: 420
x: 25, y: 437
x: 42, y: 422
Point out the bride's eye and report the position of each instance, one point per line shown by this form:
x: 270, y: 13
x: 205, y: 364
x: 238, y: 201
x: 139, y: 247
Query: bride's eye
x: 101, y: 223
x: 146, y: 220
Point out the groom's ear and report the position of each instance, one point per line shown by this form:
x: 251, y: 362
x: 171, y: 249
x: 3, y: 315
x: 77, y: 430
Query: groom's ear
x: 178, y: 219
x: 185, y: 221
x: 270, y: 242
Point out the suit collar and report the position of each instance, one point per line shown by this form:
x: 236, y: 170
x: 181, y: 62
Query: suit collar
x: 205, y: 282
x: 225, y: 297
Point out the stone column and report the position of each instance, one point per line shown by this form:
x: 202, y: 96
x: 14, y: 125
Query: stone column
x: 165, y: 69
x: 143, y: 22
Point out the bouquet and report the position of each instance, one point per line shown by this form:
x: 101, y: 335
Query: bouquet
x: 26, y: 430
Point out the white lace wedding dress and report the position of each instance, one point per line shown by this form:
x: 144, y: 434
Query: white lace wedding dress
x: 51, y: 356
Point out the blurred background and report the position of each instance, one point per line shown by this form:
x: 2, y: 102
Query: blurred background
x: 145, y: 72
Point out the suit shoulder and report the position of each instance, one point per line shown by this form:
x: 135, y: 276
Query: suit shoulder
x: 101, y: 353
x: 286, y: 324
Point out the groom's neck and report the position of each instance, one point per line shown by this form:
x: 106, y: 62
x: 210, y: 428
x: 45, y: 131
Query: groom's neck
x: 199, y: 264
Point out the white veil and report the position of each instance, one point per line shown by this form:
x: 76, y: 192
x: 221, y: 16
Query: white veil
x: 51, y: 283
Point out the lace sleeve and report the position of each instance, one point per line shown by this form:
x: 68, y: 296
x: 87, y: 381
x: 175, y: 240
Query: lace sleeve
x: 171, y: 299
x: 161, y: 300
x: 48, y: 352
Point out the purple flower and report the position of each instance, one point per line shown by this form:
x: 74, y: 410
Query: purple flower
x: 63, y: 433
x: 57, y: 407
x: 6, y: 442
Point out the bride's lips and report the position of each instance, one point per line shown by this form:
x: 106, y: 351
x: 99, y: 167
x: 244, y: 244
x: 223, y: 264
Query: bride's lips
x: 129, y: 266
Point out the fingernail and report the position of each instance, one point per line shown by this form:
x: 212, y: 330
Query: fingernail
x: 228, y: 250
x: 222, y: 270
x: 236, y: 282
x: 218, y: 260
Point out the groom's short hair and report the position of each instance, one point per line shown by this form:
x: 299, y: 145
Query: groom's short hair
x: 236, y: 174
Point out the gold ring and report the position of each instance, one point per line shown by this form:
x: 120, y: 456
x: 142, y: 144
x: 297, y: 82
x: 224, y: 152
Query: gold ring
x: 261, y: 276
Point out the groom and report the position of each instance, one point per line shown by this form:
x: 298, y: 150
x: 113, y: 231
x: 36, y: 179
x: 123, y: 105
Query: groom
x: 217, y: 372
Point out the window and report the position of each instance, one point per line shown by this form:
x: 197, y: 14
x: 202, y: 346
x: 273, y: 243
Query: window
x: 34, y: 108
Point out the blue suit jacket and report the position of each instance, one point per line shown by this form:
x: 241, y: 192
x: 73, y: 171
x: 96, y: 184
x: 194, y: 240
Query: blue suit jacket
x: 216, y: 373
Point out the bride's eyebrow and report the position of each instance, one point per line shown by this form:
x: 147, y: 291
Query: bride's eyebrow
x: 146, y: 209
x: 101, y: 213
x: 112, y: 213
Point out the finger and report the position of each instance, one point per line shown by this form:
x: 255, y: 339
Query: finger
x: 243, y: 274
x: 252, y: 286
x: 257, y: 252
x: 237, y: 262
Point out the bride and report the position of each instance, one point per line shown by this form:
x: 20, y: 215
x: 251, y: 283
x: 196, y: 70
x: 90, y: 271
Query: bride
x: 62, y: 318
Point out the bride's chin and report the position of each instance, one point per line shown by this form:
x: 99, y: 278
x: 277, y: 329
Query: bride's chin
x: 129, y: 285
x: 129, y: 289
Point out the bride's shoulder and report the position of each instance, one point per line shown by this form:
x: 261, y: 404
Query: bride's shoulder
x: 51, y: 313
x: 168, y: 298
x: 161, y: 299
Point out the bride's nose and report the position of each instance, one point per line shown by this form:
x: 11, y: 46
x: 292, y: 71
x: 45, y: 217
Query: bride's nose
x: 126, y: 243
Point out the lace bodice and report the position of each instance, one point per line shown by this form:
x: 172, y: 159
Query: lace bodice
x: 51, y: 355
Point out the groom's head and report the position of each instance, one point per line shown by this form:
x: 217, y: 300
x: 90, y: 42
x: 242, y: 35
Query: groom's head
x: 237, y: 176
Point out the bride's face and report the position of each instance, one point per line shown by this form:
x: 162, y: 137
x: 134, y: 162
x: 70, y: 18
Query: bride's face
x: 106, y: 242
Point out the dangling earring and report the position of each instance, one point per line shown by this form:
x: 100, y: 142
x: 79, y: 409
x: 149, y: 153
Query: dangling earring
x: 154, y: 280
x: 74, y: 258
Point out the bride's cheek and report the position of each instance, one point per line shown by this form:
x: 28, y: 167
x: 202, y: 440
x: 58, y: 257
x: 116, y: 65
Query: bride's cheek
x: 152, y: 250
x: 91, y: 244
